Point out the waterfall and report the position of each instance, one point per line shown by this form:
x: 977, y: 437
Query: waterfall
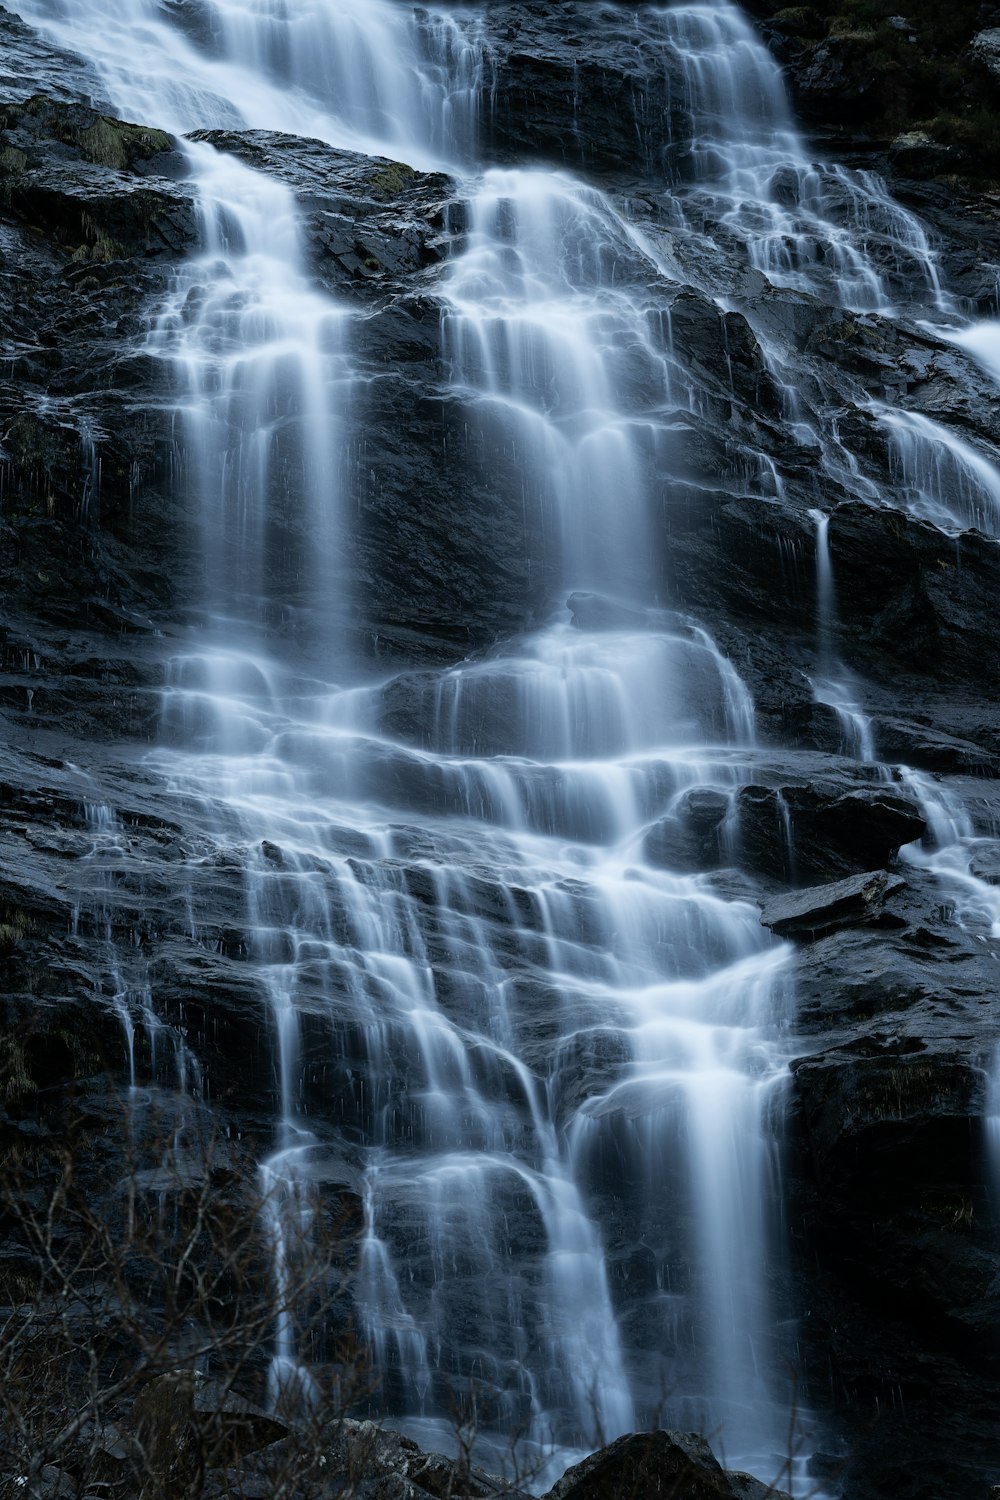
x: 941, y: 478
x: 744, y: 171
x: 834, y: 685
x: 556, y: 1065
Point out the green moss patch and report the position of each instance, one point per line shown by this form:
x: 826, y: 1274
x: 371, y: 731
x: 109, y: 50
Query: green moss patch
x: 395, y: 177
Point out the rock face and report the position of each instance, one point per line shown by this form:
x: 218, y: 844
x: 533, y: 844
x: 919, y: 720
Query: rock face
x: 985, y: 48
x: 889, y: 1195
x: 657, y: 1463
x: 895, y: 77
x: 820, y: 909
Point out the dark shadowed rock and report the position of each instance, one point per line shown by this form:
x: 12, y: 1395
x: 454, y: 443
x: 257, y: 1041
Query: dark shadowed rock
x: 690, y: 837
x: 823, y: 828
x: 821, y: 908
x: 183, y: 1424
x: 646, y: 1466
x: 986, y: 48
x: 595, y: 612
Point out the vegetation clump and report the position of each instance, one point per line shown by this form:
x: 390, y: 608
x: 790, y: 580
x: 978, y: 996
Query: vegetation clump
x: 391, y: 179
x: 890, y: 69
x: 137, y: 1308
x: 113, y: 143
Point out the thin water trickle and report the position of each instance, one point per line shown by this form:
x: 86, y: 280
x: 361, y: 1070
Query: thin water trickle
x: 834, y: 686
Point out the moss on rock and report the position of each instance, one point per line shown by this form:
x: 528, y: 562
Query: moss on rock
x: 113, y: 143
x: 895, y: 69
x: 391, y: 179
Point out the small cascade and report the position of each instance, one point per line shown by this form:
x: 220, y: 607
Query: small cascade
x: 949, y: 850
x: 549, y: 340
x: 939, y: 477
x: 165, y: 1082
x: 982, y: 341
x: 125, y: 979
x: 366, y: 75
x: 287, y: 1199
x: 806, y: 226
x: 833, y: 686
x: 257, y: 355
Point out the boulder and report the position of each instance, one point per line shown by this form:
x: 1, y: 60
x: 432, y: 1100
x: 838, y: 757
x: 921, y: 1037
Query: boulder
x: 645, y: 1466
x: 823, y: 828
x: 808, y: 914
x: 689, y: 838
x: 985, y: 48
x: 184, y: 1424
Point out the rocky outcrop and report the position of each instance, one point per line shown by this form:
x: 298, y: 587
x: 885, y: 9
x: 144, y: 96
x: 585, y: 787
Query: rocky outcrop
x: 658, y: 1463
x: 185, y: 1435
x: 892, y: 1197
x: 819, y: 909
x: 905, y: 79
x: 985, y: 48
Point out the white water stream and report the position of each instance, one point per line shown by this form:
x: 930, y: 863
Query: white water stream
x: 558, y: 1064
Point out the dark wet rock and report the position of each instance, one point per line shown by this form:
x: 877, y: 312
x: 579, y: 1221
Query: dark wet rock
x: 691, y: 836
x: 31, y: 64
x: 701, y: 332
x: 895, y: 1210
x: 595, y: 612
x: 370, y: 222
x: 909, y: 594
x: 921, y: 974
x: 545, y: 62
x: 184, y: 1423
x: 985, y: 47
x: 819, y: 909
x: 656, y: 1463
x: 887, y: 1180
x: 796, y: 831
x: 927, y: 746
x: 97, y: 188
x: 768, y: 573
x: 823, y: 829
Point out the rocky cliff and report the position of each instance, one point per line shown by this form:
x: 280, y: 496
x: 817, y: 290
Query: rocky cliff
x: 889, y: 1194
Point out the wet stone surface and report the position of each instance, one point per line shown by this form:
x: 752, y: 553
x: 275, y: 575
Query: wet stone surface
x: 116, y: 879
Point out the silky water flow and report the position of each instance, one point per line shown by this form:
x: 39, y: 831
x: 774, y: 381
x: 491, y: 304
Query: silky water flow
x: 552, y: 1068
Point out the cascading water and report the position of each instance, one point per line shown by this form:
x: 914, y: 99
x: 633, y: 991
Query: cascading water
x: 554, y: 1063
x: 743, y: 171
x: 941, y: 478
x: 833, y: 686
